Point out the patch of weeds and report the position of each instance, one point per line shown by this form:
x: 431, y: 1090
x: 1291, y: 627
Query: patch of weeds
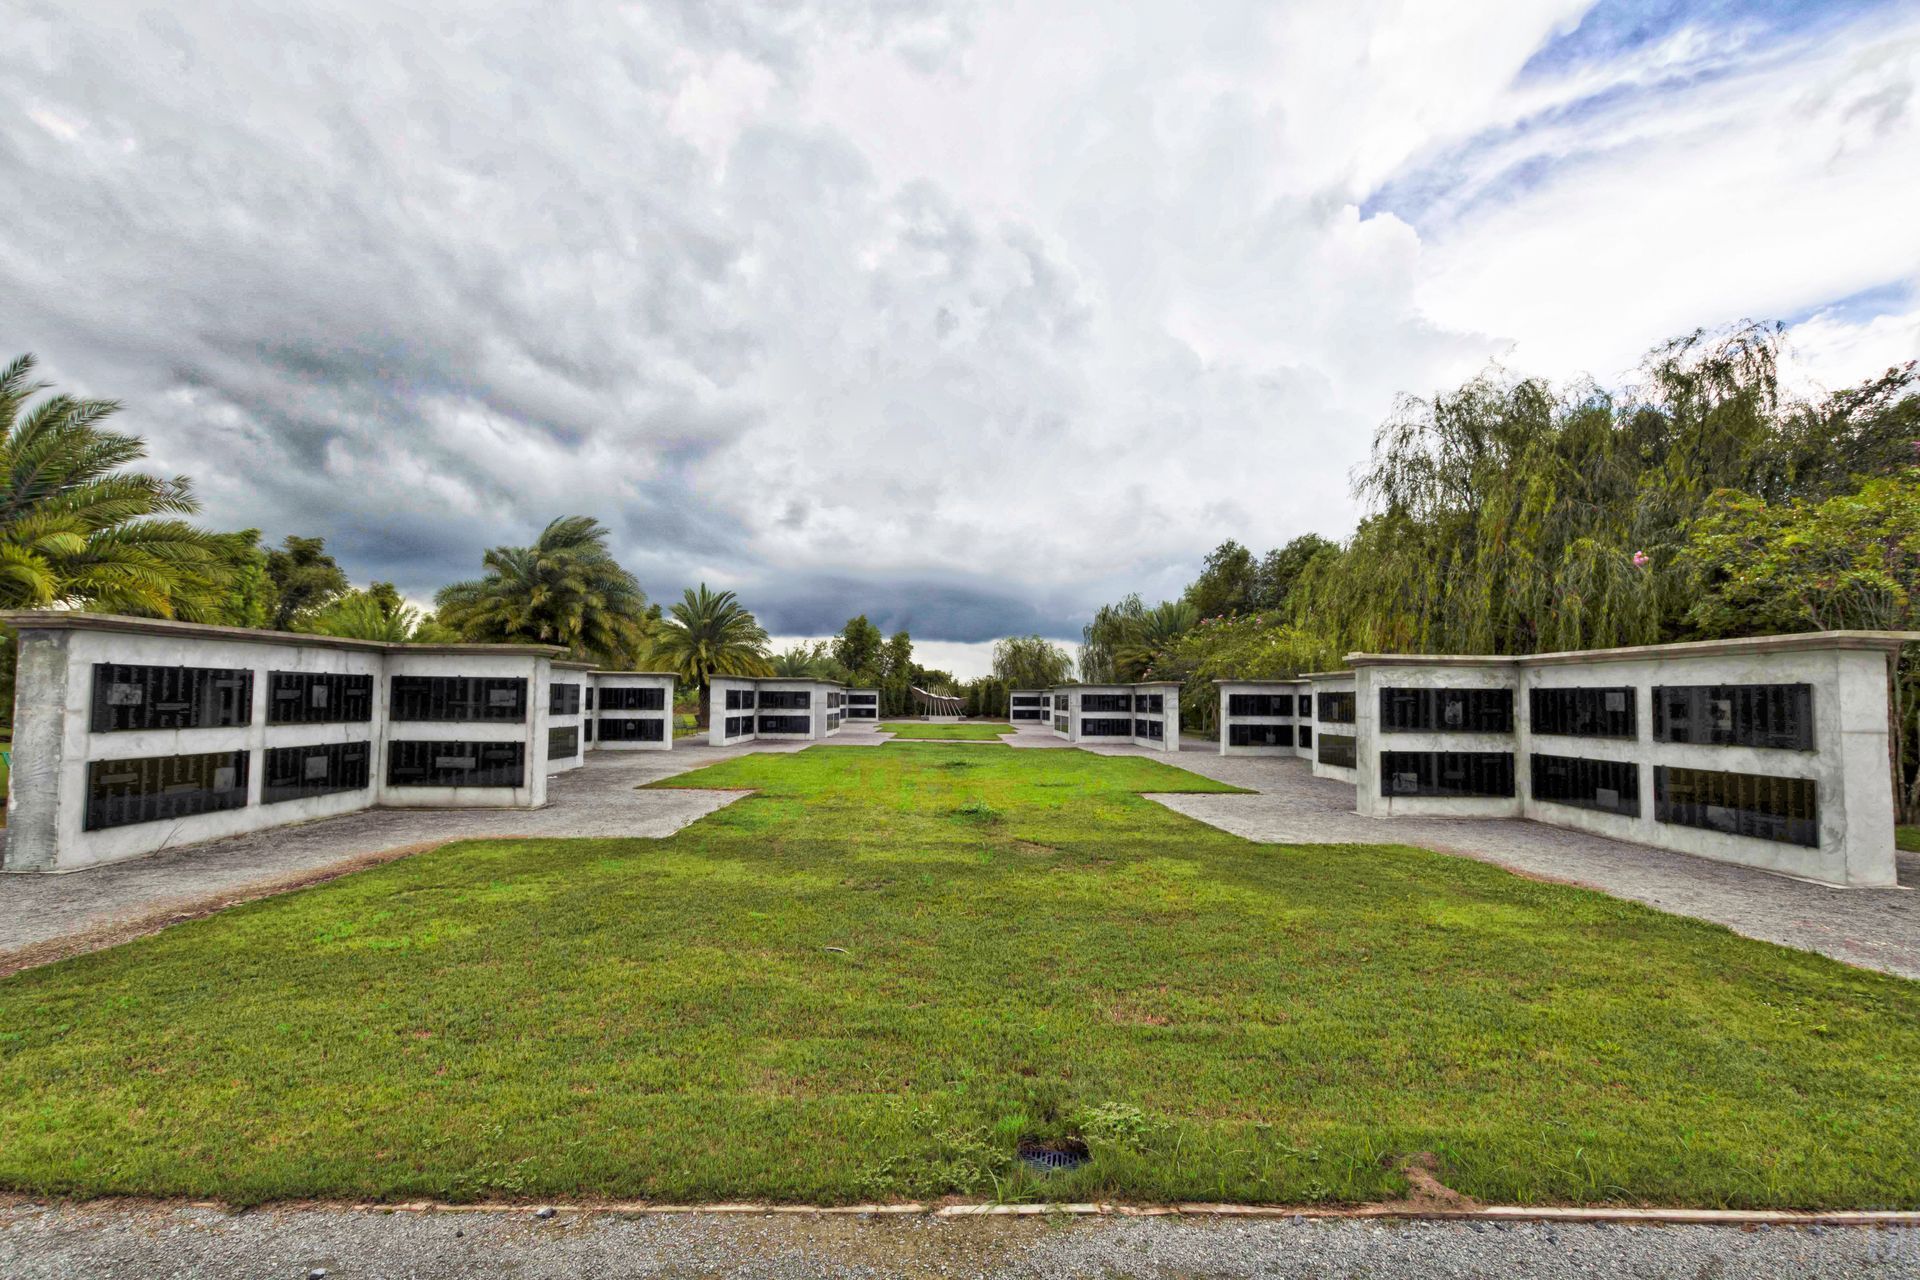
x: 491, y: 1179
x: 978, y: 811
x: 946, y: 1160
x: 1119, y: 1125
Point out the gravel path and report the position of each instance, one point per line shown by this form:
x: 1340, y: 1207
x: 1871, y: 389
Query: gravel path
x: 45, y: 915
x: 102, y: 1242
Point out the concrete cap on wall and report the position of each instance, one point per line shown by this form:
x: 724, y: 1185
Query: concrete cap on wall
x: 1274, y: 680
x: 662, y: 675
x: 831, y: 684
x: 1062, y: 688
x: 74, y: 620
x: 1796, y: 642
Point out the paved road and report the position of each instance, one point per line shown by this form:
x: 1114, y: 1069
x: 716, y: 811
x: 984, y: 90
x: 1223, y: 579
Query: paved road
x: 108, y: 1242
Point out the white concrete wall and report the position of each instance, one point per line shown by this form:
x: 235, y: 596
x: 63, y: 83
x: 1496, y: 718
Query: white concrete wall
x: 1168, y: 717
x: 55, y: 745
x: 1078, y: 714
x: 1029, y: 706
x: 581, y: 678
x: 530, y: 731
x: 1070, y: 714
x: 807, y: 713
x: 1848, y: 762
x: 1295, y: 690
x: 824, y: 711
x: 603, y: 681
x: 1334, y: 682
x: 1372, y: 740
x: 718, y: 715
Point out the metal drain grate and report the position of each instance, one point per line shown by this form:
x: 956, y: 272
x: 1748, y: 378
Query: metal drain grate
x: 1053, y: 1155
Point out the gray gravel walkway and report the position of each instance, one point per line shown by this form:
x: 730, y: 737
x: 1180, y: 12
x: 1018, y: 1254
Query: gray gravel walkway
x: 1872, y: 928
x: 103, y: 1242
x: 597, y: 799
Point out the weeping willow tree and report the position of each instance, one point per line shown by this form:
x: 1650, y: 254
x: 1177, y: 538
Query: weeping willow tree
x: 1100, y: 639
x: 1511, y: 517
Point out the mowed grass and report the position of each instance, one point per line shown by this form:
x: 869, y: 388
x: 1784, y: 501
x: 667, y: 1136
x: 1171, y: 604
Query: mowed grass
x: 913, y: 729
x: 873, y: 977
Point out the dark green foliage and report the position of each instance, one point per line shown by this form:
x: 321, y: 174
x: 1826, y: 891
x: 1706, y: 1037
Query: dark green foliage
x: 1124, y: 640
x: 79, y: 529
x: 1283, y: 566
x: 1229, y: 582
x: 1513, y: 516
x: 858, y: 649
x: 804, y: 661
x: 708, y: 634
x: 305, y: 580
x: 1030, y: 662
x: 1827, y: 449
x: 566, y: 589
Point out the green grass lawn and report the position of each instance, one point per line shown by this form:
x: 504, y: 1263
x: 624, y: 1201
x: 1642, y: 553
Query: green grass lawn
x: 946, y: 732
x: 874, y: 976
x: 1907, y: 838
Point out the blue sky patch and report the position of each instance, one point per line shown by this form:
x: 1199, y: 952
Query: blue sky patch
x: 1613, y: 28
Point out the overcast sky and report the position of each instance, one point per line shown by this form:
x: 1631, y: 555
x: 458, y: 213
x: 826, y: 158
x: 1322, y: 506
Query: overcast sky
x: 965, y: 316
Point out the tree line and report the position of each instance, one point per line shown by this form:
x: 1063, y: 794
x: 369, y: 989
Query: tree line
x: 1513, y: 516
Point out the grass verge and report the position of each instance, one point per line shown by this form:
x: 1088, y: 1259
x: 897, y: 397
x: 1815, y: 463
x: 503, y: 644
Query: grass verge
x: 915, y: 730
x: 879, y: 973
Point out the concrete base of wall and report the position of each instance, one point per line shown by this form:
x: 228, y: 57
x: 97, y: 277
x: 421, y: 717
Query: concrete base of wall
x: 1440, y: 807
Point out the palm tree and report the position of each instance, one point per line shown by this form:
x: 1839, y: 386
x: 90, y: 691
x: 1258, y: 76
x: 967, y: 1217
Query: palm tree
x: 77, y: 531
x: 1149, y: 635
x: 565, y: 589
x: 369, y: 615
x: 710, y: 634
x: 801, y: 662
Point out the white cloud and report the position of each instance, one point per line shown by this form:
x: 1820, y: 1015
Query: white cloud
x: 1761, y: 190
x: 964, y: 316
x: 1830, y: 351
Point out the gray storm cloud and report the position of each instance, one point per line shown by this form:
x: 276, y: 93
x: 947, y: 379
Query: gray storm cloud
x: 962, y: 317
